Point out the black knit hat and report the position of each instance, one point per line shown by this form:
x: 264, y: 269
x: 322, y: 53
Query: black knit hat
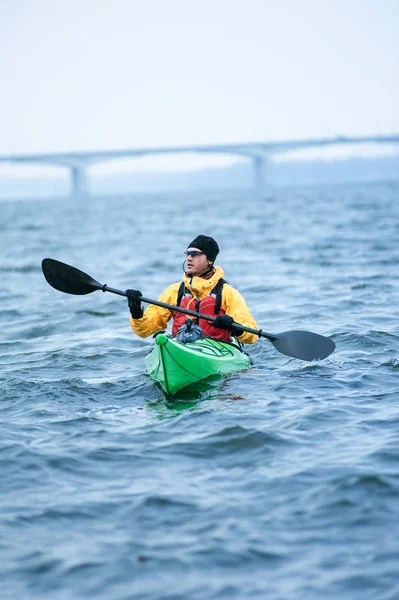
x: 208, y: 246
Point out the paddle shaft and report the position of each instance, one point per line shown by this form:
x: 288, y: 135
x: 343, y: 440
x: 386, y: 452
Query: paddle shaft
x: 191, y: 313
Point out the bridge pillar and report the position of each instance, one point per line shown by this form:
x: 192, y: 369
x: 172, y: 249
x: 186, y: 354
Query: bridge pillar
x: 79, y: 181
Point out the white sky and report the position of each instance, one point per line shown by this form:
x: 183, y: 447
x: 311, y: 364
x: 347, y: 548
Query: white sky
x: 102, y: 74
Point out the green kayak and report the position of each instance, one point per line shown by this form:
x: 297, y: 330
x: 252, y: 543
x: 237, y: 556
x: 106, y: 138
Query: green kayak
x: 175, y: 365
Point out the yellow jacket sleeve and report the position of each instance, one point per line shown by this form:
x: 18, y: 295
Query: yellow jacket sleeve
x: 235, y: 306
x: 156, y: 317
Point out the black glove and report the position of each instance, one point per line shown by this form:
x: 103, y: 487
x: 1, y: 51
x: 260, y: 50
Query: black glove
x: 223, y: 322
x: 134, y: 301
x: 226, y: 322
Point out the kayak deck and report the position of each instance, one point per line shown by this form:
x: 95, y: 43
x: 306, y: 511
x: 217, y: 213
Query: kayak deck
x: 175, y: 365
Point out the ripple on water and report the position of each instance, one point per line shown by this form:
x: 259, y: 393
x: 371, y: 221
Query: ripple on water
x: 393, y: 363
x: 29, y: 268
x: 232, y: 440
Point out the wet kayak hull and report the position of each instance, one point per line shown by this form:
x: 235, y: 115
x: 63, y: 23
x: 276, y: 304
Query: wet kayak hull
x: 175, y: 365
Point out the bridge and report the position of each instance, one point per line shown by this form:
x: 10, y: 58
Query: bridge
x: 257, y: 152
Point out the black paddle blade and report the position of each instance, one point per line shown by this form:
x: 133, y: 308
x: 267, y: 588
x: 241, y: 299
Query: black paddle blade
x: 304, y: 345
x: 65, y: 278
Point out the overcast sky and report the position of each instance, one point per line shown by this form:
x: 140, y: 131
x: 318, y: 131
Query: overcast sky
x: 100, y: 74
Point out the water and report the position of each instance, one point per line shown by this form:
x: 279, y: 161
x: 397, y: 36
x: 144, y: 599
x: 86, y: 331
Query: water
x: 280, y: 482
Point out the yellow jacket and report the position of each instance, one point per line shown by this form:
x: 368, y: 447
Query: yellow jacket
x: 234, y: 305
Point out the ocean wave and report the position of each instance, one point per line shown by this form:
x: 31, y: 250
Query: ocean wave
x: 230, y: 439
x: 29, y: 268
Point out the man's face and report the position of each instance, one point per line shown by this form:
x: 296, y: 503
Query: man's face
x: 196, y: 262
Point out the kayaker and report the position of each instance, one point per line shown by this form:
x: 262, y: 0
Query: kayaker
x: 203, y: 290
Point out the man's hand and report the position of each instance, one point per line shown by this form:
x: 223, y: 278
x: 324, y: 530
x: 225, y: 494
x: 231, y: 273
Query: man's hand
x: 223, y: 322
x: 226, y: 322
x: 134, y: 301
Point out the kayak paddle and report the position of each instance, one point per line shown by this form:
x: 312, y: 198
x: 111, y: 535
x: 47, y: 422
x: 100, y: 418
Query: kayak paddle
x: 297, y: 344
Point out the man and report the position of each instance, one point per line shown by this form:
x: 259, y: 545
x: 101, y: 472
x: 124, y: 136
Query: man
x: 202, y: 290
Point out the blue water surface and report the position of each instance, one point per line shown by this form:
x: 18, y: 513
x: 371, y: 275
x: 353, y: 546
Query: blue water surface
x: 280, y: 482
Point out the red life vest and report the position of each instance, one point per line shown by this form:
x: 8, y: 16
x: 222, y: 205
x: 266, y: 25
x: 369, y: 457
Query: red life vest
x: 210, y: 305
